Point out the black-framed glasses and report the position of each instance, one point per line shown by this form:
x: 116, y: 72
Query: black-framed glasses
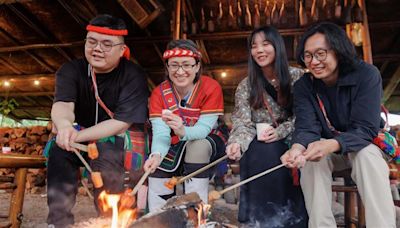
x: 320, y: 55
x: 105, y: 45
x: 185, y: 67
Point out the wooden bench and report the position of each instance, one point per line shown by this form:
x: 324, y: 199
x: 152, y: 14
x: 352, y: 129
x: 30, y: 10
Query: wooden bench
x: 21, y: 163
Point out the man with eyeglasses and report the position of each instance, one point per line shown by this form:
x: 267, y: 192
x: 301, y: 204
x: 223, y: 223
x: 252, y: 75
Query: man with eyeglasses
x: 104, y: 94
x: 337, y: 109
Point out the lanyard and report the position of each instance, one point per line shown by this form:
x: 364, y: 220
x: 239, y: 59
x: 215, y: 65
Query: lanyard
x: 96, y: 94
x: 322, y: 107
x: 269, y: 109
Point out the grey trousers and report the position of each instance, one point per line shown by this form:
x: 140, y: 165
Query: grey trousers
x: 371, y: 174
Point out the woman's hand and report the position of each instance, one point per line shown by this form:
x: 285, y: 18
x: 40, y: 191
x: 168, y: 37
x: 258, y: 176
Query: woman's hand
x: 269, y: 135
x: 294, y: 156
x: 152, y: 163
x: 175, y: 122
x: 233, y: 151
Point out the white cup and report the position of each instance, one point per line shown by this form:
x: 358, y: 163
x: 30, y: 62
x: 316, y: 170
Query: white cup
x: 6, y: 149
x: 261, y: 127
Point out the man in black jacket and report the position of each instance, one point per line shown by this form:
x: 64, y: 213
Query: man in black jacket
x: 337, y: 108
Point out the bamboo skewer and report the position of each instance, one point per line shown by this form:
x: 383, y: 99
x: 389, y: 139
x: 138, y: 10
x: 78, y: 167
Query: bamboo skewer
x: 140, y: 183
x: 83, y: 161
x: 79, y: 146
x: 217, y: 194
x: 82, y: 148
x: 128, y: 199
x: 175, y: 181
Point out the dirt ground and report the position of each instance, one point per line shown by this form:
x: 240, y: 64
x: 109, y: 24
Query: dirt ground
x: 35, y: 209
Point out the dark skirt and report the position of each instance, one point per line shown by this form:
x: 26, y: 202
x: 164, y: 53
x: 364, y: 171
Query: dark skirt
x: 271, y: 200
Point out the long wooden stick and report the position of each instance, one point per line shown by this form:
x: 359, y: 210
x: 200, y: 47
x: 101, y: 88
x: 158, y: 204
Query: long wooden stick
x: 251, y: 178
x: 79, y: 146
x: 82, y: 148
x: 83, y: 161
x: 181, y: 180
x: 140, y: 183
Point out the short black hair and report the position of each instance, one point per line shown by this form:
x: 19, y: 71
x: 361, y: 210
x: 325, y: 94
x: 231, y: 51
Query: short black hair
x: 187, y: 45
x: 108, y: 21
x: 338, y: 41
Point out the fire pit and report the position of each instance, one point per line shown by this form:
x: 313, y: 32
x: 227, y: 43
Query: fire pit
x: 180, y: 211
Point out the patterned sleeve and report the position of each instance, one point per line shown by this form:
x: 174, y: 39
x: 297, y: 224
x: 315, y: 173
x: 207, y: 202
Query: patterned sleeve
x: 156, y: 103
x: 243, y: 128
x: 287, y: 127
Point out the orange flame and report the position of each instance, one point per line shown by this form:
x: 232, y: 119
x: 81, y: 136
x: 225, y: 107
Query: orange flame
x: 202, y: 212
x: 120, y: 218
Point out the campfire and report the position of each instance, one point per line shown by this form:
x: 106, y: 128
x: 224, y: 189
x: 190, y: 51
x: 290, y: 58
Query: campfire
x: 180, y: 211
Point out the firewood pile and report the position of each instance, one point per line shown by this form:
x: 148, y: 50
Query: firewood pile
x: 28, y: 141
x: 25, y: 140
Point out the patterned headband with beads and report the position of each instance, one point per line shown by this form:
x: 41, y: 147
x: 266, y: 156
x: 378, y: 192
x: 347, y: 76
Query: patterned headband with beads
x: 178, y: 52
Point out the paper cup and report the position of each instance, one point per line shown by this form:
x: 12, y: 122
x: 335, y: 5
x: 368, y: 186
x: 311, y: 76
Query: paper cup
x: 261, y: 127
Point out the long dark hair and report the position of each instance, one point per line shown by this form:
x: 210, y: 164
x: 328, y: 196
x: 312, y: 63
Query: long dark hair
x: 337, y: 41
x: 281, y: 67
x: 187, y: 45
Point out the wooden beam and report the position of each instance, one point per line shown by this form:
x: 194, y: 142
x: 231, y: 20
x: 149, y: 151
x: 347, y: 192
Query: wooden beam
x: 177, y: 30
x: 26, y: 77
x: 33, y: 23
x: 384, y: 66
x: 391, y: 86
x: 14, y: 41
x: 10, y: 66
x: 21, y: 94
x: 40, y: 46
x: 367, y: 50
x: 72, y: 13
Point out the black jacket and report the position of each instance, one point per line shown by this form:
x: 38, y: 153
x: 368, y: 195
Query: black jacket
x: 358, y: 96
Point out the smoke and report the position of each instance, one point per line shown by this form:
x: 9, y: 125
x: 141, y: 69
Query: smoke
x: 279, y: 216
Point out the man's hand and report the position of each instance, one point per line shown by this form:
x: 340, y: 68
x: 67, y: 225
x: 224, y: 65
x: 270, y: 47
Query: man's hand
x: 152, y: 163
x: 65, y: 135
x: 233, y: 151
x: 318, y: 149
x: 175, y: 122
x: 294, y: 156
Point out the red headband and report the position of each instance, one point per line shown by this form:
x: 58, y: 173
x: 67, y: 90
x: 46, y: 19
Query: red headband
x: 112, y: 32
x: 177, y: 52
x: 107, y: 31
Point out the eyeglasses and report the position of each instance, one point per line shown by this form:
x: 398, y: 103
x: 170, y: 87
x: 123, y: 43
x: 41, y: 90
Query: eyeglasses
x: 319, y: 55
x: 185, y: 67
x: 105, y: 45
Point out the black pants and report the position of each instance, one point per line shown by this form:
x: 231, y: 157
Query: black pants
x: 63, y: 178
x: 271, y: 200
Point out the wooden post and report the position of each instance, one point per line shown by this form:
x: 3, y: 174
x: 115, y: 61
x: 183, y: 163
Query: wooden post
x: 177, y: 30
x: 17, y: 198
x: 367, y: 51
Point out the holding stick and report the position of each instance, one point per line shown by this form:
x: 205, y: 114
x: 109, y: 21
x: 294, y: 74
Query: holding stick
x: 175, y: 181
x: 128, y: 199
x: 214, y: 195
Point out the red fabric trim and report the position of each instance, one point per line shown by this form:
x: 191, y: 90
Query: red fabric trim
x: 295, y: 175
x: 107, y: 31
x: 127, y: 53
x: 178, y: 52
